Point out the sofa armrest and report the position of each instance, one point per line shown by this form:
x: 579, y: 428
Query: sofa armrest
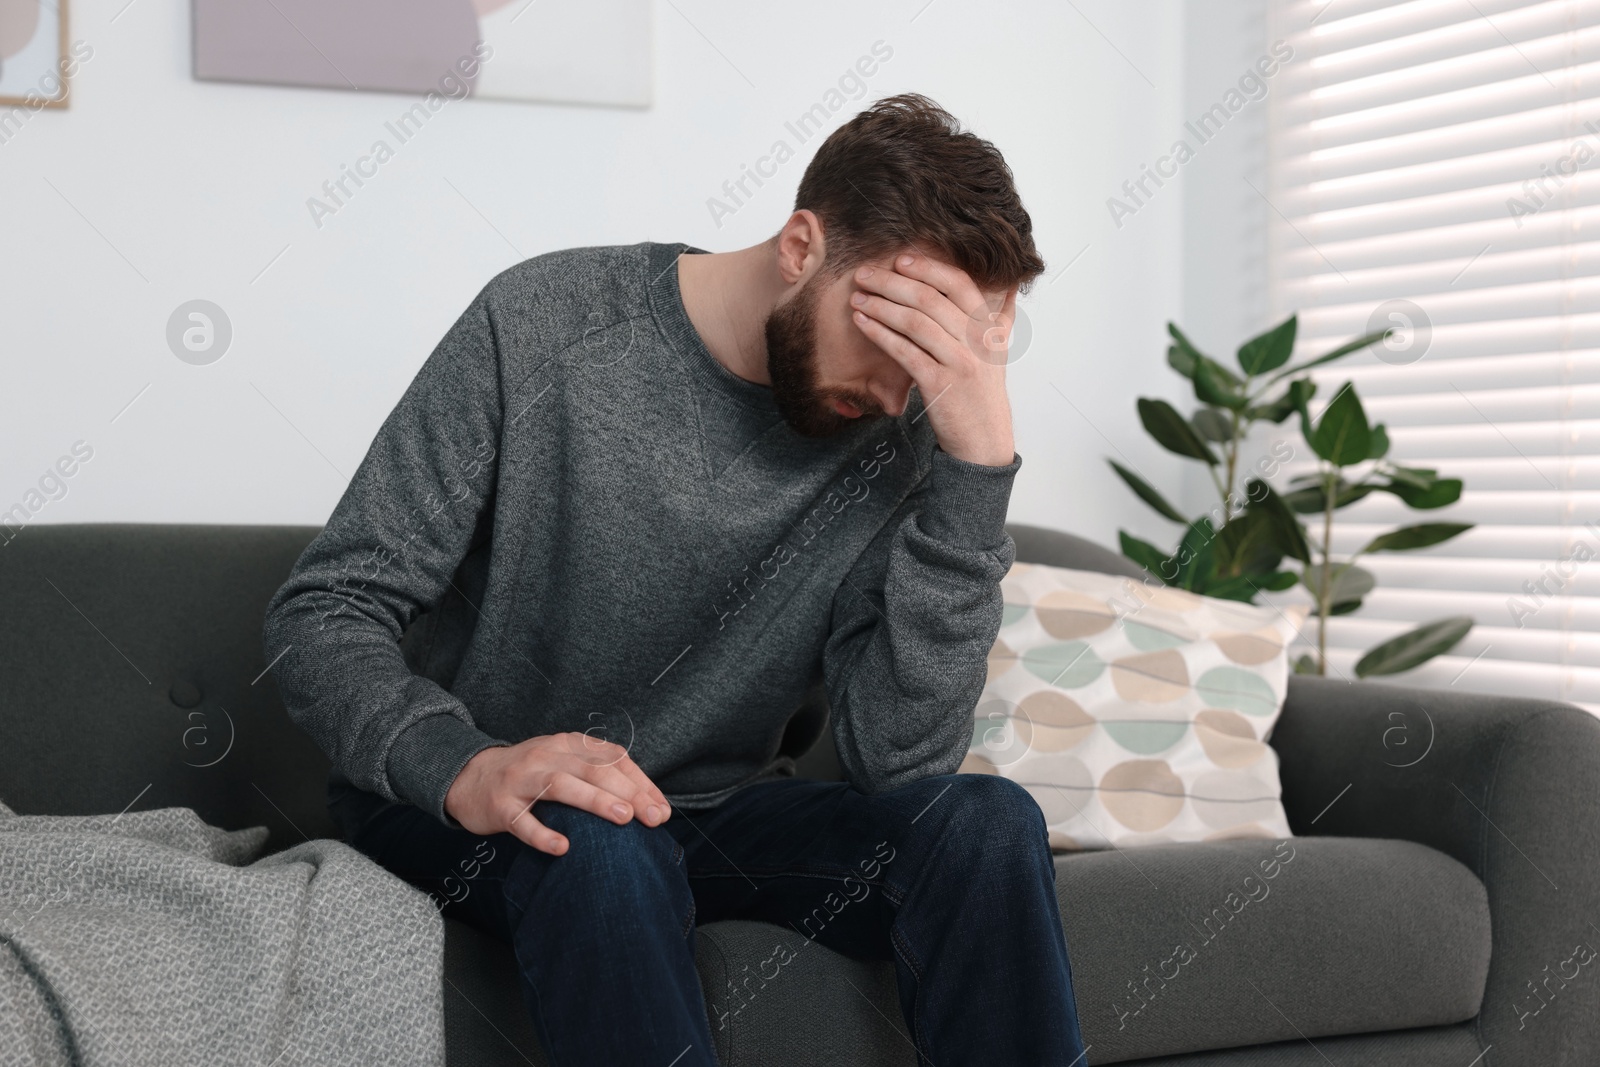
x: 1510, y: 787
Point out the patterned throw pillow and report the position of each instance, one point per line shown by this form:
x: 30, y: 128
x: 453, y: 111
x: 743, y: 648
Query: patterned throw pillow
x: 1134, y: 713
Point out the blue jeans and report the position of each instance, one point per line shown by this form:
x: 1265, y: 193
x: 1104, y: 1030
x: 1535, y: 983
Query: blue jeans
x: 950, y: 877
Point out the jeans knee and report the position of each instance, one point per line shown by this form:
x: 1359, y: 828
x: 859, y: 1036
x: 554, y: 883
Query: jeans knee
x: 606, y: 868
x: 986, y: 816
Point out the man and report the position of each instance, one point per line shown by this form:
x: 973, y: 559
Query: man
x: 642, y: 498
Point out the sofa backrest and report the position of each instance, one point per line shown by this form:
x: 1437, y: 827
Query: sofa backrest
x: 1054, y: 548
x: 133, y: 672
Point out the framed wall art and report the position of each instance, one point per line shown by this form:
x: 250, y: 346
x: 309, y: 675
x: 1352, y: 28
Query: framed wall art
x: 36, y: 61
x: 593, y: 52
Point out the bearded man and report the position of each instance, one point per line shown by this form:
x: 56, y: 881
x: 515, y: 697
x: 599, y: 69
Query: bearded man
x: 638, y: 502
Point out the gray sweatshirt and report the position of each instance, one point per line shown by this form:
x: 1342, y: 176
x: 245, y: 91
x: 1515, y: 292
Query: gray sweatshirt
x: 597, y: 527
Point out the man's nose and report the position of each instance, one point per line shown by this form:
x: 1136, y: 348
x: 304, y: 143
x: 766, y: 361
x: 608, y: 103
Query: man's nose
x: 892, y: 403
x: 892, y: 396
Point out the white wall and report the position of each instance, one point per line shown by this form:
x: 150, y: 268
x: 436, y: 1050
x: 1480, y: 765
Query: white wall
x: 154, y: 189
x: 1225, y: 220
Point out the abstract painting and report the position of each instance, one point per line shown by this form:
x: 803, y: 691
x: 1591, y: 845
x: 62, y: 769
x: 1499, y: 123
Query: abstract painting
x: 593, y: 52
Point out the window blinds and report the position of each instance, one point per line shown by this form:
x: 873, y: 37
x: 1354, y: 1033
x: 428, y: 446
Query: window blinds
x: 1435, y: 165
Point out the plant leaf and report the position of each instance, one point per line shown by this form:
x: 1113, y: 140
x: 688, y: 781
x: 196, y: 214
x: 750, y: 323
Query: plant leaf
x: 1304, y: 501
x: 1311, y: 500
x: 1247, y: 546
x: 1211, y: 387
x: 1143, y: 553
x: 1162, y: 421
x: 1378, y: 444
x: 1189, y: 356
x: 1420, y: 536
x: 1242, y: 589
x: 1148, y: 493
x: 1419, y: 477
x: 1414, y: 647
x: 1349, y: 583
x: 1440, y: 493
x: 1306, y: 664
x: 1344, y: 607
x: 1183, y: 353
x: 1286, y: 532
x: 1269, y: 351
x: 1338, y: 353
x: 1212, y: 425
x: 1342, y: 435
x: 1245, y: 587
x: 1278, y: 581
x: 1186, y: 347
x: 1287, y: 403
x: 1195, y: 558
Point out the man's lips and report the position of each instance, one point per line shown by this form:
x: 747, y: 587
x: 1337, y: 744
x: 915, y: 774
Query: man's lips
x: 848, y: 410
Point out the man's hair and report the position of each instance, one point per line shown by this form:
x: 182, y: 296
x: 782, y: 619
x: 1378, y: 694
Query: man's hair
x: 904, y: 175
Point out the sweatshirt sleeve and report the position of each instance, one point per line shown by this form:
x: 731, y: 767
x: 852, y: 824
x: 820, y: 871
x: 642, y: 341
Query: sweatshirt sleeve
x: 906, y: 657
x: 389, y: 552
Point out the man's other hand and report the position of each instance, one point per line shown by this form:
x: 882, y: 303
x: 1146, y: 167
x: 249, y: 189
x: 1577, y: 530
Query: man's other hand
x: 496, y: 790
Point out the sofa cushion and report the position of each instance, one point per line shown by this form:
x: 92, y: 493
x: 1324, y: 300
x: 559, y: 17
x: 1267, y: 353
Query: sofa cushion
x: 1187, y: 947
x: 1135, y: 714
x: 1347, y: 936
x: 1436, y: 1046
x: 1332, y: 936
x: 825, y: 1009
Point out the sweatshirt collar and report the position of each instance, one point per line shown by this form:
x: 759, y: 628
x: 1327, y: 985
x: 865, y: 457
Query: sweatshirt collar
x: 666, y: 304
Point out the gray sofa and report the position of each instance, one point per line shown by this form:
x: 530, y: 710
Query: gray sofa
x: 1439, y: 906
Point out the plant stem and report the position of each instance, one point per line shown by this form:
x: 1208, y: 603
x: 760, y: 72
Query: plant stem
x: 1233, y: 463
x: 1330, y: 488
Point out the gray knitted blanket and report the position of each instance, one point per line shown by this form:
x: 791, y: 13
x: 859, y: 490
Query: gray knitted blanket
x: 153, y: 938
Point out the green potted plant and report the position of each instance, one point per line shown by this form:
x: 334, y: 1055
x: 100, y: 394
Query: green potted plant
x: 1252, y: 542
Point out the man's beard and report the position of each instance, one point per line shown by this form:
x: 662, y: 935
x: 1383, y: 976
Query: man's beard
x: 791, y: 331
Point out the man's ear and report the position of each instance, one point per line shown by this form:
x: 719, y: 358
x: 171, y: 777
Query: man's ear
x: 1006, y: 301
x: 801, y: 247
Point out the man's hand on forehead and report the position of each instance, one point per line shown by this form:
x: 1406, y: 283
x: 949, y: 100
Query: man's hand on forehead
x: 951, y: 338
x: 938, y: 285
